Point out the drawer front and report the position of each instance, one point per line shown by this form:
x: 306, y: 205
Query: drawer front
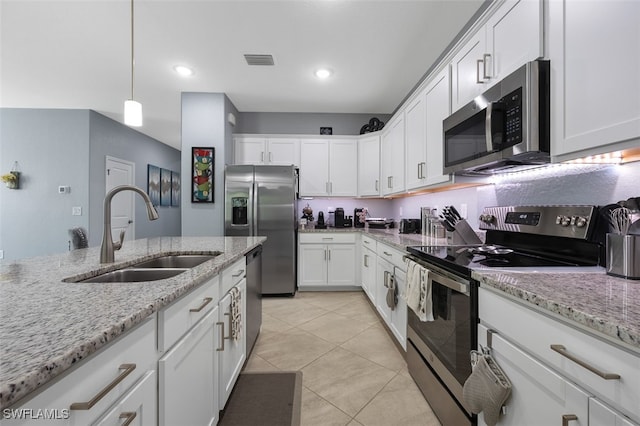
x: 114, y: 369
x: 233, y: 275
x: 396, y: 257
x: 176, y: 319
x: 536, y: 333
x: 369, y: 242
x: 327, y: 238
x: 139, y: 404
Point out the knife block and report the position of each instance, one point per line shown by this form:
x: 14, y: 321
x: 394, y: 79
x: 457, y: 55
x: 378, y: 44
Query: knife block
x: 463, y: 235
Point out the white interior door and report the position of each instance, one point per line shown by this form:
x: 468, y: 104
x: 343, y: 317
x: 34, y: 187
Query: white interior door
x: 121, y: 172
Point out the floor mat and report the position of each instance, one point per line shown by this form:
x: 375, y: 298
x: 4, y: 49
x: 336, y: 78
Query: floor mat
x: 264, y: 399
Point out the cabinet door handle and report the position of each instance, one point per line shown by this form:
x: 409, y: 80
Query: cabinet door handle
x: 329, y: 250
x: 326, y: 187
x: 478, y: 62
x: 262, y: 157
x: 366, y: 260
x: 205, y: 302
x: 228, y: 337
x: 419, y: 171
x: 566, y: 418
x: 325, y: 254
x: 485, y: 58
x: 270, y: 156
x: 239, y: 274
x: 377, y: 183
x: 221, y: 348
x: 129, y: 415
x: 128, y: 368
x: 563, y: 351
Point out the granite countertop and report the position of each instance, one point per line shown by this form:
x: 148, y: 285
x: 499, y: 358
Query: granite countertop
x: 590, y: 299
x: 46, y: 325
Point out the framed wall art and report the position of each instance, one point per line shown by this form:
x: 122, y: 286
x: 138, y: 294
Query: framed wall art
x: 165, y: 187
x: 175, y: 189
x: 202, y: 168
x: 153, y: 184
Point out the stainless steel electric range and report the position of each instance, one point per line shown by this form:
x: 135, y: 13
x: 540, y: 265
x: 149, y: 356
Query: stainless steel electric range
x: 517, y: 237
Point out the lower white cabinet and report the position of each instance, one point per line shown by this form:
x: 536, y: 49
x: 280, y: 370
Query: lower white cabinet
x: 547, y: 365
x: 188, y: 391
x: 232, y: 352
x: 139, y: 406
x: 326, y: 259
x: 368, y: 272
x: 98, y: 385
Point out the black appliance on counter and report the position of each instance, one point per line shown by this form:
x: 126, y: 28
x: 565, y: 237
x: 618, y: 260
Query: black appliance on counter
x: 320, y: 223
x: 517, y: 238
x: 410, y: 226
x: 339, y: 217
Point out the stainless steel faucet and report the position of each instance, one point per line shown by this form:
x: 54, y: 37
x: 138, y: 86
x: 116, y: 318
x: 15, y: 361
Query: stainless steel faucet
x: 108, y: 245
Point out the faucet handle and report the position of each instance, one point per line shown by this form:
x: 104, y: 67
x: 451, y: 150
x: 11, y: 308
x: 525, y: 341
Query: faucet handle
x: 117, y: 245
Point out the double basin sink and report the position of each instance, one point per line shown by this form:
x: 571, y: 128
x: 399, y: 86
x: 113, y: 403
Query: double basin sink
x: 155, y: 269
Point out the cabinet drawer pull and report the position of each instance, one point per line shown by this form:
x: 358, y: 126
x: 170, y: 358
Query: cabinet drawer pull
x: 563, y: 351
x: 221, y: 348
x: 327, y: 238
x: 566, y: 418
x: 205, y: 302
x: 128, y: 368
x: 387, y: 254
x: 240, y: 272
x: 129, y: 415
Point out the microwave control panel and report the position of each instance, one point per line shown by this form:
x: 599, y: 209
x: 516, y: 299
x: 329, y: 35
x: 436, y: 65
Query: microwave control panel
x: 512, y: 117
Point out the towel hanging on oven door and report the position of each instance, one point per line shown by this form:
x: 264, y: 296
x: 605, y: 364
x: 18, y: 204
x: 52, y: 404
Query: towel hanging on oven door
x: 488, y: 387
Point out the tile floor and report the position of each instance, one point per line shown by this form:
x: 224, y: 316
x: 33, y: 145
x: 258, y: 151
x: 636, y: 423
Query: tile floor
x: 353, y: 374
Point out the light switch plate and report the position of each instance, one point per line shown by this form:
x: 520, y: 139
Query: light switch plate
x: 76, y: 211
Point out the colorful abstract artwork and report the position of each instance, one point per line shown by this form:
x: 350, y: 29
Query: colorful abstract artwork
x: 153, y: 184
x: 202, y: 174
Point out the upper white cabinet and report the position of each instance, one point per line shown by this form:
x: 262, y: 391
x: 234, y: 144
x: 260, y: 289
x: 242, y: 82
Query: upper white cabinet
x: 267, y: 150
x: 416, y: 142
x: 392, y: 156
x: 369, y: 166
x: 512, y: 36
x: 594, y: 76
x: 329, y: 167
x: 438, y: 106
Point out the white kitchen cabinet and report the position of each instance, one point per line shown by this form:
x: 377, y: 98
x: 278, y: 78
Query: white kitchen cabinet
x: 233, y: 352
x: 512, y: 36
x: 139, y: 404
x: 539, y: 396
x: 384, y: 274
x: 326, y: 260
x: 369, y: 166
x: 392, y: 156
x: 555, y: 343
x: 266, y: 150
x: 329, y: 167
x: 601, y: 415
x: 416, y: 142
x: 438, y: 106
x: 368, y: 265
x: 73, y: 399
x: 188, y: 377
x: 594, y: 77
x: 391, y: 268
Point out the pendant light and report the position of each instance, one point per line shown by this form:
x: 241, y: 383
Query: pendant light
x: 132, y: 108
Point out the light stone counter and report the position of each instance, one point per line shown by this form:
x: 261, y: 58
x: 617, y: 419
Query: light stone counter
x: 47, y: 325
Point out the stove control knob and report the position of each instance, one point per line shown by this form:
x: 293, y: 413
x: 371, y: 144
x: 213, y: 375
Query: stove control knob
x: 487, y: 218
x: 563, y: 220
x: 581, y: 221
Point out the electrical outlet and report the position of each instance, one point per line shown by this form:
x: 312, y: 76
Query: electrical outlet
x: 76, y: 211
x: 1, y: 254
x: 463, y: 210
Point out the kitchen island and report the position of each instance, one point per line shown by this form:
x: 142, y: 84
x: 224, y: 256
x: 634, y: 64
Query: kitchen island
x: 48, y: 325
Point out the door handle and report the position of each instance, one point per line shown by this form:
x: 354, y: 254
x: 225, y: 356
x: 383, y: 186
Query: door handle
x: 478, y: 62
x: 485, y: 58
x: 127, y: 369
x: 566, y: 418
x: 221, y: 348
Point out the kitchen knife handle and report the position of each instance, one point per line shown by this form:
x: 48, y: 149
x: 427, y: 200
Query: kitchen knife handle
x: 563, y: 351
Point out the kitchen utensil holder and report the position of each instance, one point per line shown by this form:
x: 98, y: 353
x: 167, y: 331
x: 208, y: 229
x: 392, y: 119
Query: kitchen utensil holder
x: 463, y: 235
x: 623, y: 256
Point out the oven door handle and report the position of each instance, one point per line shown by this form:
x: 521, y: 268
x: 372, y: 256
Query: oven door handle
x: 447, y: 282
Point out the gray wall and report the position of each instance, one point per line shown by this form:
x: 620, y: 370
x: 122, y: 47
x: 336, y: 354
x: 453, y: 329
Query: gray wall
x: 303, y: 123
x: 110, y: 138
x: 205, y: 124
x: 52, y: 149
x: 56, y: 147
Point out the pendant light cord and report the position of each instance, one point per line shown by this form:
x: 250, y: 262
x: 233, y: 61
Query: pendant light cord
x: 132, y: 57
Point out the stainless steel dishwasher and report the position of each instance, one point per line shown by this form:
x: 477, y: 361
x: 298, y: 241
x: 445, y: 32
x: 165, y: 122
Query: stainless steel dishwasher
x: 254, y: 296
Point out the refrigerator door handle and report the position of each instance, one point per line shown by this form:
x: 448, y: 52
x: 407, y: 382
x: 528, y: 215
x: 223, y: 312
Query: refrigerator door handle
x: 254, y: 207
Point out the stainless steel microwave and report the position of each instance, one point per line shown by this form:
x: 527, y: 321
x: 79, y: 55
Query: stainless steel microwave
x: 504, y: 129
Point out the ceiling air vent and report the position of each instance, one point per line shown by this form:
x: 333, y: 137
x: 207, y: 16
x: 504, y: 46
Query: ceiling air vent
x: 259, y: 59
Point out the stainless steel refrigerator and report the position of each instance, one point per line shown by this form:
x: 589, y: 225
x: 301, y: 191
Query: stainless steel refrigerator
x: 261, y: 200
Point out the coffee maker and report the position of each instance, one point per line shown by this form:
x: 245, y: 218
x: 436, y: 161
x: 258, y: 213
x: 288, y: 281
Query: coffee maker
x: 339, y: 217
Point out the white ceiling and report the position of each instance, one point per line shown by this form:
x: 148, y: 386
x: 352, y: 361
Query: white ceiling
x: 76, y: 54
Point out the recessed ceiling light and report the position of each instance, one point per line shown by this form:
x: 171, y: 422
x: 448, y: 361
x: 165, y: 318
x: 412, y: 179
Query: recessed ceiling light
x: 323, y: 73
x: 183, y: 70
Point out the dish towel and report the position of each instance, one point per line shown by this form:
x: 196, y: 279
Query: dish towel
x: 418, y: 291
x: 236, y: 313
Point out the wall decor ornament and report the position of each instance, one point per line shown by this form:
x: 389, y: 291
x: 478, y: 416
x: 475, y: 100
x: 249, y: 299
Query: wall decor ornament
x: 11, y: 180
x: 373, y: 126
x: 202, y: 169
x: 165, y: 187
x: 175, y: 189
x: 153, y: 184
